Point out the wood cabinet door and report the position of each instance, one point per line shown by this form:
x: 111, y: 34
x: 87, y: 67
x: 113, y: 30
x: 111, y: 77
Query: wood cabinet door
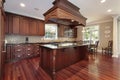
x: 24, y: 26
x: 41, y: 28
x: 12, y: 24
x: 16, y: 24
x: 36, y: 50
x: 60, y: 30
x: 2, y: 38
x: 18, y: 51
x: 9, y: 23
x: 75, y: 32
x: 33, y: 27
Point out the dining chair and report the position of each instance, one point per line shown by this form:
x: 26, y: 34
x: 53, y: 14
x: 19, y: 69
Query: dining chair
x: 108, y: 49
x: 94, y: 47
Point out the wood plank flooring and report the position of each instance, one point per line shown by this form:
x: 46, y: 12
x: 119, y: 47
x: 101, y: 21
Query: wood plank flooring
x: 99, y: 67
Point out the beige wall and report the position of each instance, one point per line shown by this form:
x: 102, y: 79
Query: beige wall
x: 105, y: 33
x: 79, y: 33
x: 33, y: 39
x: 119, y: 35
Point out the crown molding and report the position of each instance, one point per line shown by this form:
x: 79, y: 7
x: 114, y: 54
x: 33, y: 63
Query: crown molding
x: 99, y: 21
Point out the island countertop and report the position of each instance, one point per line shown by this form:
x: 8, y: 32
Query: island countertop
x: 62, y: 45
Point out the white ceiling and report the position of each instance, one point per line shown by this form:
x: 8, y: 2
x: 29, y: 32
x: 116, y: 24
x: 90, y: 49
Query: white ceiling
x: 93, y: 10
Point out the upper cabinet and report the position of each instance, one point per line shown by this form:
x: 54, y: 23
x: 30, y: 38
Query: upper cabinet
x: 33, y: 27
x: 67, y: 31
x: 61, y: 29
x: 9, y: 24
x: 24, y: 26
x: 41, y: 28
x: 16, y: 24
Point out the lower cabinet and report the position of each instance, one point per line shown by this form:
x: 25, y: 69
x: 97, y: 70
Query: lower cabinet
x: 17, y: 52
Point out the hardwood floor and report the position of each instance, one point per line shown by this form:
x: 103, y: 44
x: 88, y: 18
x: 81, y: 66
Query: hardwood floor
x: 100, y: 67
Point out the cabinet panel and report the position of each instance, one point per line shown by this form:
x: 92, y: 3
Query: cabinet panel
x: 10, y: 23
x: 33, y: 27
x: 61, y: 30
x: 7, y: 25
x: 18, y: 52
x: 2, y: 38
x: 9, y: 52
x: 16, y: 24
x: 36, y: 50
x: 24, y: 26
x: 41, y: 28
x: 21, y: 51
x: 29, y: 50
x: 67, y: 31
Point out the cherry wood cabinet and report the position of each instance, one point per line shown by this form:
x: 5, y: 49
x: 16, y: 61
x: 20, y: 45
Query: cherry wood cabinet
x: 12, y: 24
x: 16, y: 24
x: 61, y: 30
x: 24, y: 26
x: 41, y: 28
x: 2, y: 37
x: 55, y: 59
x: 9, y: 23
x: 33, y: 27
x: 17, y: 52
x: 21, y: 25
x: 67, y: 31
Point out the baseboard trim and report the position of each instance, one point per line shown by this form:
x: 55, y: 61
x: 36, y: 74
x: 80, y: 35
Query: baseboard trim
x: 115, y: 55
x: 100, y: 51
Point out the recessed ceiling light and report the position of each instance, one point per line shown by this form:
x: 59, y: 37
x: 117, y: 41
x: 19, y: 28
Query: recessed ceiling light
x: 37, y: 9
x: 102, y: 1
x: 109, y: 10
x: 72, y: 20
x: 22, y: 4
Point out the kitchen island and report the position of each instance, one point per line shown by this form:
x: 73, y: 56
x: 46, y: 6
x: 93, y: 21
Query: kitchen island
x: 57, y: 56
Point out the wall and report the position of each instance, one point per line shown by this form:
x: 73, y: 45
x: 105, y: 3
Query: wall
x: 105, y: 33
x: 79, y: 33
x: 33, y: 39
x: 119, y: 35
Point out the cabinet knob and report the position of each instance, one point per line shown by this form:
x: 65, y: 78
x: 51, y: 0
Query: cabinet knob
x: 28, y: 49
x: 18, y: 56
x: 19, y: 50
x: 3, y: 51
x: 28, y: 54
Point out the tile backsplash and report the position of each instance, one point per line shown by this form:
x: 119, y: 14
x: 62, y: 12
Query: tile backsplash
x: 33, y: 39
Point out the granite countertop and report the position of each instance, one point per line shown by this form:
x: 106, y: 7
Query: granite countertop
x: 27, y: 43
x: 35, y: 43
x: 62, y: 45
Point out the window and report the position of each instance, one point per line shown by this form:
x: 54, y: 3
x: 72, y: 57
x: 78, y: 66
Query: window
x: 51, y: 31
x: 91, y: 33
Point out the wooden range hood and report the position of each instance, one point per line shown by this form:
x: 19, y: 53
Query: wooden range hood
x: 64, y: 12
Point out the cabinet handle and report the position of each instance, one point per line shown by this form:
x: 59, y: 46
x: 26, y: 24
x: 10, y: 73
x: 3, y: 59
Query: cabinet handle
x: 28, y: 54
x: 28, y: 49
x: 18, y: 45
x: 3, y: 51
x: 18, y: 56
x: 18, y: 50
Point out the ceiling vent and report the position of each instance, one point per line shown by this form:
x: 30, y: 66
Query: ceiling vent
x: 64, y: 12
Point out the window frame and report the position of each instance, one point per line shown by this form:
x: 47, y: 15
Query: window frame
x: 90, y: 31
x: 49, y: 36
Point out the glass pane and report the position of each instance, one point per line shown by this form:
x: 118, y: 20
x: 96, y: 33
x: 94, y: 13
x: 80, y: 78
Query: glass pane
x: 51, y: 31
x: 91, y: 33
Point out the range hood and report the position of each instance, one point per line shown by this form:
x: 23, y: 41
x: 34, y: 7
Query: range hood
x: 64, y: 12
